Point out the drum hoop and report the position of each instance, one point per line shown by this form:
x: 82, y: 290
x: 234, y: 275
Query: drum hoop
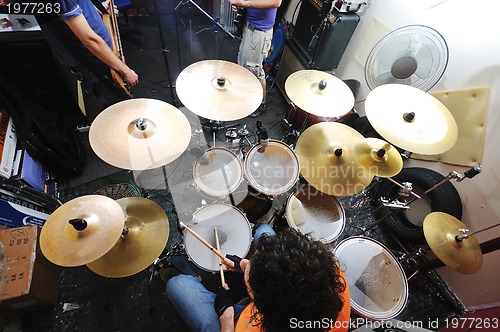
x: 256, y: 185
x: 231, y: 207
x: 218, y: 193
x: 403, y: 301
x: 331, y: 238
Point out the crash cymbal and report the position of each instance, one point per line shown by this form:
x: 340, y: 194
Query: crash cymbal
x: 144, y: 238
x: 100, y: 220
x: 140, y: 134
x: 411, y: 119
x: 441, y: 231
x: 327, y: 160
x: 319, y: 93
x: 219, y: 90
x: 378, y: 157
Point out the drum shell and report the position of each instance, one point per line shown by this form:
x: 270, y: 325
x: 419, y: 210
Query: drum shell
x: 315, y: 213
x: 377, y: 282
x: 296, y: 117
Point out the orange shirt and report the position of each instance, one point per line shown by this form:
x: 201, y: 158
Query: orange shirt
x: 340, y: 325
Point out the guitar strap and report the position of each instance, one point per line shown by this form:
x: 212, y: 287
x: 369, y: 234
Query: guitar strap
x: 99, y: 6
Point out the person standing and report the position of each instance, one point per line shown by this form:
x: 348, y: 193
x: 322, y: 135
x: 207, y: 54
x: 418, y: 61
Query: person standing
x: 256, y: 39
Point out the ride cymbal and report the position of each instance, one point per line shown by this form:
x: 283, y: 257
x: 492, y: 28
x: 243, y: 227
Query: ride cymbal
x: 411, y: 119
x: 319, y: 93
x: 442, y: 232
x: 140, y: 134
x: 144, y: 238
x: 219, y: 90
x: 327, y: 161
x: 378, y: 157
x: 81, y: 230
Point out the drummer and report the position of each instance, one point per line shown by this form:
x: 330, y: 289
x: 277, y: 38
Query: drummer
x: 291, y: 283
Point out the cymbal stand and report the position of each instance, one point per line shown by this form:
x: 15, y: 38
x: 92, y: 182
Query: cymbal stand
x: 293, y: 132
x: 212, y: 19
x: 406, y: 190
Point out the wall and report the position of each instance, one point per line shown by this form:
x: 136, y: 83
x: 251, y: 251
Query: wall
x: 471, y: 32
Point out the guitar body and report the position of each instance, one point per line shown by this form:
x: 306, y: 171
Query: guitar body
x: 240, y: 20
x: 111, y: 24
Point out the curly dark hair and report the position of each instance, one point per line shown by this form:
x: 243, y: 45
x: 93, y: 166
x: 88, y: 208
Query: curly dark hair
x: 292, y: 276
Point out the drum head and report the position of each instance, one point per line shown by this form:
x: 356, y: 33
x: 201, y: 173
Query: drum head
x: 377, y: 282
x: 233, y: 229
x: 273, y: 171
x: 315, y: 213
x: 221, y: 176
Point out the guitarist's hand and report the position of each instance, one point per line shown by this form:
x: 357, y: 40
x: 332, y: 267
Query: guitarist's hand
x: 106, y: 6
x: 131, y: 77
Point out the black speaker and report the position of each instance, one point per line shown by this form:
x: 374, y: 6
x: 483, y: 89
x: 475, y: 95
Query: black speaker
x: 320, y: 42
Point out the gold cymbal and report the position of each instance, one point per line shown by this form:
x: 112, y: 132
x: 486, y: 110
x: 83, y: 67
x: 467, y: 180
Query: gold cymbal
x: 441, y: 231
x: 378, y: 157
x: 327, y: 160
x: 319, y: 93
x: 101, y: 220
x: 411, y: 119
x: 140, y: 134
x: 219, y: 90
x: 144, y: 238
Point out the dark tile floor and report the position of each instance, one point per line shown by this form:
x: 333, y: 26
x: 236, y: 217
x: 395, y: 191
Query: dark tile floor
x: 89, y: 302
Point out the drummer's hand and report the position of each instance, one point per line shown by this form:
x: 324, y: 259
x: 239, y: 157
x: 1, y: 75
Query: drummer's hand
x: 233, y: 264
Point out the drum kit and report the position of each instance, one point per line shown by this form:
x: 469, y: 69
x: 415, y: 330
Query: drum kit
x: 123, y: 237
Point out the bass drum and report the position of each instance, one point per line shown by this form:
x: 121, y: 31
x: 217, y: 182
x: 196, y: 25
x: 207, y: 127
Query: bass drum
x: 315, y: 213
x: 296, y: 117
x: 377, y: 282
x: 233, y: 230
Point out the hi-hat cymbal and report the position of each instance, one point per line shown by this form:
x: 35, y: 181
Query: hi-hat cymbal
x: 319, y: 93
x: 378, y: 157
x: 411, y: 119
x: 140, y: 134
x: 327, y: 161
x: 441, y: 231
x: 101, y: 221
x: 219, y: 90
x: 144, y: 238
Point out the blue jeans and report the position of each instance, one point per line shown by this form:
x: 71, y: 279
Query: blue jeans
x: 195, y: 304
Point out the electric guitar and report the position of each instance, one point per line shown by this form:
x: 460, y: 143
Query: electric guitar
x: 239, y: 21
x: 111, y: 23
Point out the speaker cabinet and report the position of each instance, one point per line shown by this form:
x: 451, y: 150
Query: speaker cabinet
x: 321, y: 44
x: 289, y: 64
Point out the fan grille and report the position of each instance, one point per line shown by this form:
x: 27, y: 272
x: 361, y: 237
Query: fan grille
x: 414, y: 55
x: 119, y: 190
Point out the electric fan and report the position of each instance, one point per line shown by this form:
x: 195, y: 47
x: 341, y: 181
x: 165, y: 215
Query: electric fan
x: 414, y: 55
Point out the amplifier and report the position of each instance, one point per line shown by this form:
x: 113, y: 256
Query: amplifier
x: 321, y: 40
x: 290, y: 63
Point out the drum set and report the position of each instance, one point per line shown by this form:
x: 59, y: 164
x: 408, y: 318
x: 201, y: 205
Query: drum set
x: 120, y: 238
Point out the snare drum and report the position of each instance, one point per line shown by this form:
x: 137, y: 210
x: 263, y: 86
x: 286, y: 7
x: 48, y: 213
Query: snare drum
x: 376, y: 280
x: 273, y: 171
x: 221, y: 175
x: 315, y: 213
x: 233, y: 229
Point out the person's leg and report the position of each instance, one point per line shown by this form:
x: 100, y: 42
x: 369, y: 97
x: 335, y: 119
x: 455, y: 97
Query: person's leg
x: 262, y: 229
x: 193, y: 302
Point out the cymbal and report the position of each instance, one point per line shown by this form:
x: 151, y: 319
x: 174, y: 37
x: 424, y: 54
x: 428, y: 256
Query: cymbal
x: 411, y: 119
x: 219, y: 90
x: 145, y: 236
x: 378, y: 157
x: 64, y: 245
x: 140, y: 134
x: 319, y: 93
x: 440, y: 231
x: 327, y: 161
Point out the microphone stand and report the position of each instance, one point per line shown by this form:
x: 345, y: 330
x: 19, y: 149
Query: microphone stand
x: 212, y: 19
x: 164, y: 51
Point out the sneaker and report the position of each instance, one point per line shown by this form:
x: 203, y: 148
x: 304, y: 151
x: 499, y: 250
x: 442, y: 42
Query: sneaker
x: 259, y: 110
x: 168, y: 273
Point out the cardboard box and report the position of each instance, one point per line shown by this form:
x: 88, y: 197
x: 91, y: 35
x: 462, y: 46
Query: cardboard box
x: 31, y: 282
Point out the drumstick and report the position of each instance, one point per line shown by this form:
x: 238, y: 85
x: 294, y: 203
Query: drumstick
x: 199, y: 238
x: 222, y: 279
